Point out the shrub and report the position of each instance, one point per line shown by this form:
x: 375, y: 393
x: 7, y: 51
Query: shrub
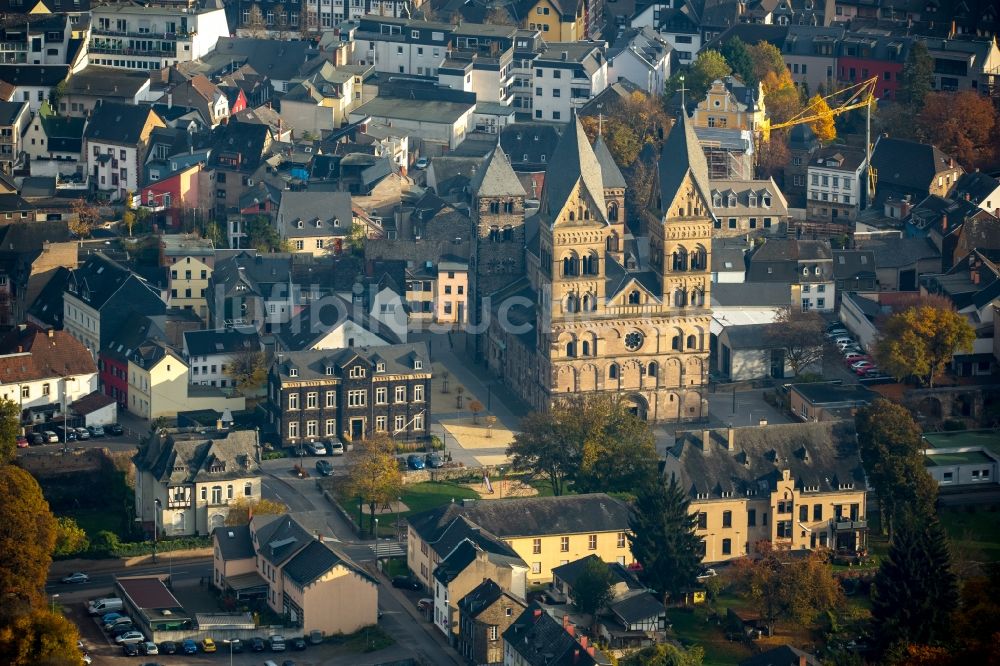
x: 275, y: 455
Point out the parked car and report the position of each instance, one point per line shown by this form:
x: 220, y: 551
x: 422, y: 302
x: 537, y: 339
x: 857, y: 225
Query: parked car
x: 257, y: 644
x: 860, y: 363
x: 871, y: 373
x: 208, y: 645
x: 434, y: 460
x: 406, y: 583
x: 66, y: 433
x: 112, y: 626
x: 114, y: 430
x: 324, y: 468
x: 862, y: 371
x: 22, y: 442
x: 36, y: 438
x: 421, y: 163
x: 168, y: 647
x: 188, y: 646
x: 50, y: 437
x: 96, y: 430
x: 298, y: 643
x: 76, y: 578
x: 130, y: 637
x: 107, y: 618
x: 130, y: 649
x: 707, y: 573
x: 148, y: 648
x: 316, y: 448
x: 277, y: 643
x: 82, y: 433
x: 833, y: 334
x: 315, y: 637
x: 853, y: 357
x: 413, y: 461
x: 425, y: 605
x: 834, y: 324
x: 335, y: 447
x: 87, y: 659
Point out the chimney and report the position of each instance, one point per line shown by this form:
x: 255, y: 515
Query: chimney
x: 583, y: 641
x: 318, y: 537
x: 944, y: 222
x: 538, y: 612
x: 565, y: 55
x: 975, y: 276
x: 730, y: 438
x: 52, y: 332
x: 20, y: 349
x: 591, y: 651
x: 170, y: 100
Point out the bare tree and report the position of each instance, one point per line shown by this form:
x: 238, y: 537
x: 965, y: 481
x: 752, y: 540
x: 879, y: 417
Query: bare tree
x: 800, y: 334
x: 87, y: 217
x: 498, y: 15
x: 254, y: 25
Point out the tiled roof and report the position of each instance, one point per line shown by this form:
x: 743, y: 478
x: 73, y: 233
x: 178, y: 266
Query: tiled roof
x: 235, y: 542
x: 541, y: 640
x: 91, y: 402
x: 46, y: 354
x: 117, y: 123
x: 179, y: 458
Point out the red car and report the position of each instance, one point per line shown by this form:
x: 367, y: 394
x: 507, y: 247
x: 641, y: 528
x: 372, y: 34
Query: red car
x: 22, y: 442
x: 864, y: 370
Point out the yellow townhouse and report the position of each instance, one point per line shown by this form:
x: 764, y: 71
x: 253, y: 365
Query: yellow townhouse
x: 545, y: 532
x: 798, y: 486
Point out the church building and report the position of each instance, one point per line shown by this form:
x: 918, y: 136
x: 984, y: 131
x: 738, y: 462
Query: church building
x: 572, y: 301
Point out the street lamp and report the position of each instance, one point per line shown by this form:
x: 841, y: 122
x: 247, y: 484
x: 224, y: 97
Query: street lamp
x: 229, y: 642
x: 399, y: 500
x: 501, y: 483
x: 156, y: 511
x: 54, y: 597
x: 376, y: 543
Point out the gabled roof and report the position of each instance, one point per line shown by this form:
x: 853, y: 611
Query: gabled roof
x: 9, y: 112
x: 575, y: 162
x: 280, y: 538
x: 43, y: 76
x: 222, y: 341
x: 125, y: 339
x: 977, y: 186
x: 235, y: 542
x: 114, y: 122
x: 541, y: 640
x: 610, y: 173
x: 480, y: 598
x: 185, y: 458
x: 908, y: 165
x: 331, y: 211
x: 637, y: 607
x: 107, y: 82
x: 529, y: 516
x: 317, y: 559
x: 496, y: 178
x: 45, y: 354
x: 682, y: 155
x: 48, y: 304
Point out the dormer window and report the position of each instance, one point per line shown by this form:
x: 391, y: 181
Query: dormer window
x: 336, y: 222
x: 717, y: 200
x: 805, y: 270
x: 357, y: 372
x: 816, y: 271
x: 732, y: 201
x: 766, y: 200
x: 299, y: 224
x: 319, y: 223
x: 329, y: 370
x: 293, y: 372
x: 380, y: 367
x: 418, y: 364
x: 753, y: 199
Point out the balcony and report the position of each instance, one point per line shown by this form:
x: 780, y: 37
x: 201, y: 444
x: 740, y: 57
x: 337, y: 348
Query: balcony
x: 849, y: 525
x: 108, y: 49
x: 169, y: 36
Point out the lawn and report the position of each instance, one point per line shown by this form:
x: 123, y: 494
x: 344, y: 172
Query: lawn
x: 692, y: 628
x: 416, y: 496
x: 93, y: 521
x: 973, y: 532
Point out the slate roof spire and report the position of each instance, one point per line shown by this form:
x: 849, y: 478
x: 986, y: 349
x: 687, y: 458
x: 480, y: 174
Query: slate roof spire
x: 682, y: 154
x: 612, y: 175
x: 496, y: 178
x: 573, y: 161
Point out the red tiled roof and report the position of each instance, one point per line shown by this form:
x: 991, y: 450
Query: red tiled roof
x: 43, y: 354
x: 91, y: 402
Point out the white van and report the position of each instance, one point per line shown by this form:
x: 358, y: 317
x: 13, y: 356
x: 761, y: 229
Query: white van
x: 102, y: 606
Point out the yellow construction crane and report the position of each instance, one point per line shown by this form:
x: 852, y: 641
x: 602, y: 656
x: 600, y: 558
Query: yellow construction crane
x: 849, y: 98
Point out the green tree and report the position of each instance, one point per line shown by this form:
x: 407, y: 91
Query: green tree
x: 707, y: 67
x: 10, y: 428
x: 129, y: 217
x: 262, y: 235
x: 375, y: 475
x: 787, y: 586
x: 921, y: 339
x: 592, y: 588
x: 889, y: 444
x: 544, y: 447
x: 70, y: 538
x: 738, y: 56
x: 106, y: 543
x: 915, y: 591
x: 27, y: 537
x: 823, y: 127
x: 917, y: 78
x: 766, y: 59
x: 243, y: 509
x: 661, y: 534
x: 629, y: 125
x: 800, y: 335
x: 665, y: 654
x: 38, y: 638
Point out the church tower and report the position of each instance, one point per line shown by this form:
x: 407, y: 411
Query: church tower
x: 497, y: 215
x: 614, y: 197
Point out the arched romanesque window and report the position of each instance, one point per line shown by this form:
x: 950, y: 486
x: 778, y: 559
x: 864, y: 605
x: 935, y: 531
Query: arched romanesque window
x: 692, y: 342
x: 495, y: 234
x: 590, y: 264
x: 589, y: 302
x: 571, y: 349
x: 494, y: 207
x: 651, y: 369
x: 613, y: 371
x: 675, y: 343
x: 611, y: 243
x: 634, y: 298
x: 613, y: 211
x: 585, y: 348
x: 571, y: 266
x: 507, y: 233
x: 680, y: 298
x: 508, y: 206
x: 572, y: 216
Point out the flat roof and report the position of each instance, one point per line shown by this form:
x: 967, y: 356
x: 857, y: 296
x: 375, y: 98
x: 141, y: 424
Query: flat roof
x: 958, y: 458
x: 421, y: 110
x: 987, y: 439
x: 148, y: 592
